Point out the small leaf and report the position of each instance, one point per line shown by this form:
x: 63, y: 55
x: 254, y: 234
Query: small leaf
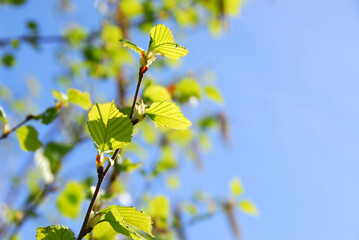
x: 156, y: 93
x: 131, y: 45
x: 213, y: 94
x: 48, y: 116
x: 8, y: 60
x: 28, y: 138
x: 79, y: 98
x: 162, y: 42
x: 167, y: 114
x: 62, y: 97
x: 126, y: 220
x: 54, y: 232
x: 109, y: 128
x: 128, y: 166
x: 236, y: 187
x: 248, y: 207
x: 70, y: 200
x: 159, y: 208
x: 187, y: 88
x: 3, y: 115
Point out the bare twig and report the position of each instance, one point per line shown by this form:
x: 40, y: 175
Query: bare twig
x: 5, y: 134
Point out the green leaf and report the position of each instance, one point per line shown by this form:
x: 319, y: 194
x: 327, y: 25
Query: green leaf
x: 167, y: 114
x: 131, y: 45
x: 70, y: 200
x: 79, y: 98
x: 248, y: 207
x: 54, y: 152
x: 159, y: 208
x: 213, y: 94
x: 48, y: 116
x: 28, y: 138
x: 103, y: 231
x: 75, y: 35
x: 126, y: 220
x: 54, y: 232
x: 62, y: 97
x: 8, y: 60
x: 162, y: 42
x: 187, y: 88
x: 156, y: 93
x: 236, y: 187
x: 109, y: 128
x: 2, y: 115
x: 128, y: 166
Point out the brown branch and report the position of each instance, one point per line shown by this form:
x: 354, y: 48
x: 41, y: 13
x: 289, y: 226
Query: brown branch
x: 5, y: 134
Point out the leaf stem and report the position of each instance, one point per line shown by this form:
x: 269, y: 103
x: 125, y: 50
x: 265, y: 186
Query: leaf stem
x: 140, y: 76
x: 100, y: 177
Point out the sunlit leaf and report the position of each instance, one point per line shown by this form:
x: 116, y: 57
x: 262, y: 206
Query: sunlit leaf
x: 248, y: 207
x: 131, y: 45
x: 54, y: 232
x: 70, y: 200
x: 156, y: 93
x: 109, y: 128
x: 79, y: 98
x: 28, y: 138
x: 236, y: 187
x: 186, y: 88
x: 159, y: 208
x: 2, y: 115
x: 213, y: 94
x: 162, y: 42
x: 128, y: 166
x: 126, y: 220
x: 62, y: 97
x: 167, y: 114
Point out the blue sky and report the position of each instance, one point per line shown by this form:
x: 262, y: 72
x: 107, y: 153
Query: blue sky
x: 289, y: 74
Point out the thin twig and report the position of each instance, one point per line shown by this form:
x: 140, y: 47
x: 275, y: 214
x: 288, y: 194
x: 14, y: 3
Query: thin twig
x: 102, y: 173
x: 5, y: 134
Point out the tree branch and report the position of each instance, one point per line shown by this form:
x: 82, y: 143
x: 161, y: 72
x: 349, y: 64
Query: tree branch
x: 5, y: 134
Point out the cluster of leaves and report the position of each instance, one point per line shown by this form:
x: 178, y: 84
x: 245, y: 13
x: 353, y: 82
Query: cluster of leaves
x: 101, y: 56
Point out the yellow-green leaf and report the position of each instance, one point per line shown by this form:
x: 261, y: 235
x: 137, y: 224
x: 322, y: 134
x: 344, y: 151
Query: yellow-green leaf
x: 186, y: 88
x: 109, y: 128
x: 131, y: 45
x: 236, y: 187
x: 156, y: 93
x: 213, y: 94
x: 54, y: 232
x: 248, y: 207
x: 79, y: 98
x: 167, y: 114
x: 159, y: 208
x: 62, y: 97
x: 162, y: 42
x: 70, y: 200
x: 28, y: 138
x: 126, y: 220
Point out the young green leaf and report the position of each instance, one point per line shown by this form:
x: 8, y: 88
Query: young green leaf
x: 2, y: 115
x: 156, y: 93
x: 62, y: 97
x: 70, y: 200
x: 162, y: 42
x: 248, y: 207
x: 28, y: 138
x: 159, y: 208
x: 79, y: 98
x: 109, y: 128
x: 128, y: 166
x: 236, y: 187
x: 187, y: 88
x: 213, y: 94
x: 167, y: 114
x: 48, y: 116
x: 131, y: 45
x: 54, y: 232
x: 126, y: 220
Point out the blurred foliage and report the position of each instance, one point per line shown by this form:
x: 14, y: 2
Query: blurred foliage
x: 88, y: 58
